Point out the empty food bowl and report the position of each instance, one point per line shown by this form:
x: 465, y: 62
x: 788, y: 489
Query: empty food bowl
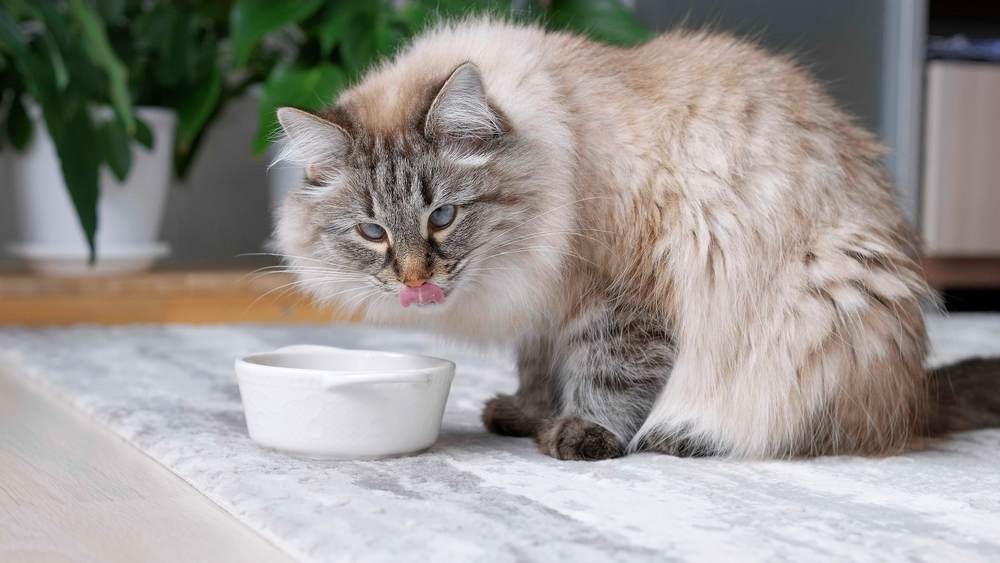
x: 333, y: 403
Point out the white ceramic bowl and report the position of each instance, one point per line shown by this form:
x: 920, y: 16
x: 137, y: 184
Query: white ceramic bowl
x: 331, y: 403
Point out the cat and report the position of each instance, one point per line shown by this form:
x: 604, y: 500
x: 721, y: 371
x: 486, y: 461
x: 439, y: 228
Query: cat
x: 691, y: 248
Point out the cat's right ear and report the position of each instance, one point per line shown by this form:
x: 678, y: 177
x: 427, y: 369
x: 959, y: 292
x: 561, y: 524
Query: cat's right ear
x: 460, y: 116
x: 311, y: 141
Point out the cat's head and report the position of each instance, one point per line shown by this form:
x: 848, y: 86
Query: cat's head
x: 448, y: 216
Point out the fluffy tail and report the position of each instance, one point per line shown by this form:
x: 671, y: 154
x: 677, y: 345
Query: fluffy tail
x: 965, y: 396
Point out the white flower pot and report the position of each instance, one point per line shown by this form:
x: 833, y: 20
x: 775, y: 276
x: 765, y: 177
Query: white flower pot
x: 49, y: 236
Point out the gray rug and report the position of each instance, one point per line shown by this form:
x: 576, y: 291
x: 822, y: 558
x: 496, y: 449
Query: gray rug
x: 170, y: 391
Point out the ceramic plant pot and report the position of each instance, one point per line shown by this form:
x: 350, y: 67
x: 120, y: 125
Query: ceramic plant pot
x: 49, y: 237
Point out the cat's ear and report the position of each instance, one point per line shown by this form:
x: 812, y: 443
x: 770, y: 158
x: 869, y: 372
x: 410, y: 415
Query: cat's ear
x: 311, y: 141
x: 461, y: 113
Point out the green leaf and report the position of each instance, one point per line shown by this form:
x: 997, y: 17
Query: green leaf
x: 143, y: 134
x: 251, y: 20
x: 307, y: 89
x: 58, y: 64
x: 360, y: 45
x: 177, y: 44
x: 19, y: 125
x: 97, y: 47
x: 80, y: 162
x: 414, y: 16
x: 528, y: 10
x: 331, y: 27
x: 58, y: 37
x: 454, y: 8
x: 110, y: 10
x: 114, y: 144
x: 604, y: 20
x: 196, y: 107
x: 184, y: 160
x: 11, y: 39
x: 388, y: 35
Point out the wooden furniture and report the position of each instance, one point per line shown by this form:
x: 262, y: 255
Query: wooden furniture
x: 961, y: 166
x: 961, y: 195
x: 962, y: 273
x: 960, y: 188
x: 203, y: 296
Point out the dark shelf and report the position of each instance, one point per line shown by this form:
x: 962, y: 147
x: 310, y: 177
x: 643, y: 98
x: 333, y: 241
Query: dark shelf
x: 966, y: 300
x: 967, y: 17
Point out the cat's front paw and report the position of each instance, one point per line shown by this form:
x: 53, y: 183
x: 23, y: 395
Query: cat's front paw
x: 503, y: 415
x: 572, y: 437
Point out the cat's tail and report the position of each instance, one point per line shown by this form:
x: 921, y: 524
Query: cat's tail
x: 965, y: 396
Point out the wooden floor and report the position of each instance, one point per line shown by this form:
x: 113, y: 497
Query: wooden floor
x: 72, y: 491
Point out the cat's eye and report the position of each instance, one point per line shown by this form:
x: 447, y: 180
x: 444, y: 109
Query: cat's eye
x: 442, y: 217
x: 372, y: 232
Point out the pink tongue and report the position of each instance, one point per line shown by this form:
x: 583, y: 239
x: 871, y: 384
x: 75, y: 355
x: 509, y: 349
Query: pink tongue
x: 423, y: 295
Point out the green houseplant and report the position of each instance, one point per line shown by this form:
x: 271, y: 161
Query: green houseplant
x: 71, y: 60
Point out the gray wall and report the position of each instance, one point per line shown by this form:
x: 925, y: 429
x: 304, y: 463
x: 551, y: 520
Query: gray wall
x: 6, y: 213
x: 841, y: 42
x: 222, y: 210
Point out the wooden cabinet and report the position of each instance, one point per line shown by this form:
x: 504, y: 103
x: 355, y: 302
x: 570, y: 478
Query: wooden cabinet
x: 961, y: 196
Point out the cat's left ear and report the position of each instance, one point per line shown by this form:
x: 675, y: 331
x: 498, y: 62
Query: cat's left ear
x: 461, y: 113
x: 312, y: 142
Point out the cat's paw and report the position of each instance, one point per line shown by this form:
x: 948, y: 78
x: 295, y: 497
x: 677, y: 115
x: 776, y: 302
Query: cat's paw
x: 503, y: 415
x: 678, y: 445
x: 572, y: 437
x: 684, y: 447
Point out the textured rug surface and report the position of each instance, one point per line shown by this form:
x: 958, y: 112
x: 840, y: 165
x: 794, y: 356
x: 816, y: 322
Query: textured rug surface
x: 171, y: 391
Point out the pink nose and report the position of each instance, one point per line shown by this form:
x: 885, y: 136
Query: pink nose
x: 423, y: 294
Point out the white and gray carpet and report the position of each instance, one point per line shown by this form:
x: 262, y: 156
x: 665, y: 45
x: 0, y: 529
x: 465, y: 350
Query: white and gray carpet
x: 171, y: 392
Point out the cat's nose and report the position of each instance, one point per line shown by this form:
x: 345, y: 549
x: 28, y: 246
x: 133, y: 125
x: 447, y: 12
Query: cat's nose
x: 413, y: 269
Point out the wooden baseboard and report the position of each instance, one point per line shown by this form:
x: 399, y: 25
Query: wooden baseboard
x: 962, y: 273
x: 158, y: 297
x: 206, y: 296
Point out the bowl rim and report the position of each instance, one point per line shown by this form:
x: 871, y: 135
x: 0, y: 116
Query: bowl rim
x: 247, y: 366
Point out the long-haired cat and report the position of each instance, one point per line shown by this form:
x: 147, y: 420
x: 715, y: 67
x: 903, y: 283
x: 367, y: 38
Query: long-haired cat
x: 693, y: 250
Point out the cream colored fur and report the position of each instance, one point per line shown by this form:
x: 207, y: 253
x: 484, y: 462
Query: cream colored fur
x: 719, y: 186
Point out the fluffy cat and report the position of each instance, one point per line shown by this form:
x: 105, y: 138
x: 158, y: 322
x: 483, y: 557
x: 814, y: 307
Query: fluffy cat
x: 693, y: 250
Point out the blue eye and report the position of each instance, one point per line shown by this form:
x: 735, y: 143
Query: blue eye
x: 372, y: 232
x: 442, y: 216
